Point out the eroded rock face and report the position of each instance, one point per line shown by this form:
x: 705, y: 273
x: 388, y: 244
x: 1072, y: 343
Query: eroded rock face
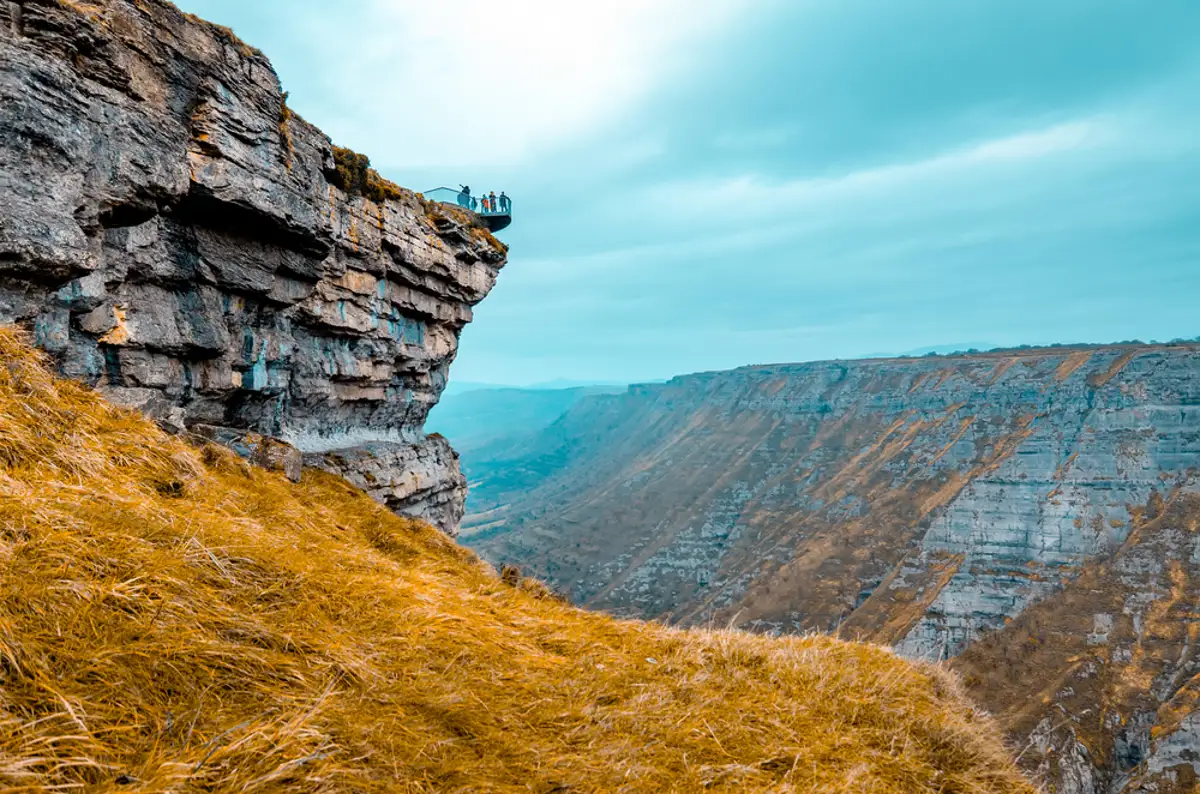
x: 1100, y: 679
x: 173, y: 235
x: 422, y: 480
x: 920, y: 502
x: 1032, y: 515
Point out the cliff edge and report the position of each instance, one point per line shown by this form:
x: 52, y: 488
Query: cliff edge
x: 175, y: 236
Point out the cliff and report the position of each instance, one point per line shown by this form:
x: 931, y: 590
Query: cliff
x: 924, y: 503
x: 172, y: 234
x: 1101, y: 679
x: 173, y: 619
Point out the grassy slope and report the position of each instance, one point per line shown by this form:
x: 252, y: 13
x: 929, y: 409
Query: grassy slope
x: 173, y: 620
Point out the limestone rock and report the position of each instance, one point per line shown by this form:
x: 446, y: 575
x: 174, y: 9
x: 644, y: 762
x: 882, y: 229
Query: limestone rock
x: 170, y: 233
x: 1100, y: 679
x: 1030, y: 514
x: 421, y: 480
x: 921, y: 502
x: 263, y: 451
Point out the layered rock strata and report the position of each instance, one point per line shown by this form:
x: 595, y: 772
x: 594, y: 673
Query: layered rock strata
x: 922, y: 502
x: 1029, y: 514
x: 1099, y: 682
x: 175, y: 236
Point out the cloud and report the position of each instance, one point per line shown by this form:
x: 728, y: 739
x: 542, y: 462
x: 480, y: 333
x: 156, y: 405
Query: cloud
x: 757, y: 194
x: 480, y: 82
x: 1049, y: 234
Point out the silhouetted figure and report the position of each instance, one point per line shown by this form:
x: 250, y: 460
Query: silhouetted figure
x: 505, y: 203
x: 464, y: 196
x: 492, y: 201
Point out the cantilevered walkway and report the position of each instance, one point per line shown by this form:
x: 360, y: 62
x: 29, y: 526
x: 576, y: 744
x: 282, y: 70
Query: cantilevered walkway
x: 496, y: 211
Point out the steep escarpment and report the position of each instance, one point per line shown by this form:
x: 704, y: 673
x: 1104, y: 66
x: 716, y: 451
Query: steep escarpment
x: 172, y: 619
x: 175, y: 236
x: 924, y: 503
x: 1100, y: 681
x: 915, y: 501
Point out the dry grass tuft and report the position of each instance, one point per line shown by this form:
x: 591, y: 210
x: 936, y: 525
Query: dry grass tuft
x: 224, y: 34
x: 173, y: 620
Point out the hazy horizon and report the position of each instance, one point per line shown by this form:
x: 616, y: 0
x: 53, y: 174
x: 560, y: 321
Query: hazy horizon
x: 460, y: 386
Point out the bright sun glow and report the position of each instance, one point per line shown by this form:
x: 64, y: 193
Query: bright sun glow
x: 495, y: 82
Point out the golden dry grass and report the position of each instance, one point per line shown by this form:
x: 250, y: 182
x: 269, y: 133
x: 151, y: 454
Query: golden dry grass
x: 173, y: 620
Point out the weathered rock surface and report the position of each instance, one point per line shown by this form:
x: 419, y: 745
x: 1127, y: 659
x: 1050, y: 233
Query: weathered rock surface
x: 422, y: 480
x: 173, y: 235
x: 924, y: 503
x: 1101, y: 679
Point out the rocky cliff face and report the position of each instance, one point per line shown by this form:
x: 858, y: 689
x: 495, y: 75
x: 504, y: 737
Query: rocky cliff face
x: 925, y: 503
x: 1100, y: 679
x: 175, y: 236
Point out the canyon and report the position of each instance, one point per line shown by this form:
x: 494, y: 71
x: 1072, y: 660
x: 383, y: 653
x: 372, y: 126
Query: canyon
x: 174, y: 235
x: 496, y: 416
x: 204, y: 274
x: 939, y: 505
x: 177, y: 238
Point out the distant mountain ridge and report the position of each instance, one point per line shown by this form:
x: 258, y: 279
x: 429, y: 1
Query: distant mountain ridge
x: 936, y: 350
x: 479, y: 417
x: 455, y: 387
x: 924, y: 502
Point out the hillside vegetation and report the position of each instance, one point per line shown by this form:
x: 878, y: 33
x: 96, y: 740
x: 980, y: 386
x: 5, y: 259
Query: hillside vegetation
x: 173, y: 620
x: 1103, y: 675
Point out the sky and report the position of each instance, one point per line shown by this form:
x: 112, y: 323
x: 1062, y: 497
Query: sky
x: 705, y: 184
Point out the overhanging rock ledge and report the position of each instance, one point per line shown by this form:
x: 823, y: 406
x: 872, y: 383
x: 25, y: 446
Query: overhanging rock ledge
x: 172, y: 234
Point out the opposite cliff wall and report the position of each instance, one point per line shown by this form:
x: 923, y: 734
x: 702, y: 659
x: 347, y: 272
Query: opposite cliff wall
x: 916, y: 501
x: 1099, y: 682
x: 178, y: 238
x: 1032, y: 508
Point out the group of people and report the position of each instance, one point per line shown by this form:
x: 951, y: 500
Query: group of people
x: 488, y: 203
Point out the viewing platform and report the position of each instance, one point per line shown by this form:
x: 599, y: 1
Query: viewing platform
x: 496, y: 214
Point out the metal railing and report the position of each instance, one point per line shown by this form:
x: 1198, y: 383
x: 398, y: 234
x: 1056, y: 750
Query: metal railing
x: 486, y: 204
